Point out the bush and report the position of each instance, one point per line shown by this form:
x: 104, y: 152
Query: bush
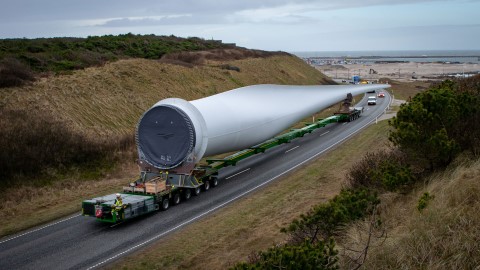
x: 230, y: 67
x: 383, y: 170
x: 184, y: 58
x: 321, y: 255
x: 424, y: 201
x: 66, y: 54
x: 14, y: 73
x: 34, y: 144
x: 439, y: 123
x: 467, y: 131
x: 326, y: 220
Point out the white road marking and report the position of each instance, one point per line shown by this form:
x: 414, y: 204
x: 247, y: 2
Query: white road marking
x: 237, y: 173
x: 324, y: 133
x: 116, y: 224
x: 231, y: 200
x: 292, y: 149
x: 344, y: 123
x: 38, y: 229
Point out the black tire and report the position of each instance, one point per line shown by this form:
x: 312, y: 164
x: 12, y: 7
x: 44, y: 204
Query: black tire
x: 176, y: 198
x: 206, y: 185
x: 214, y: 181
x: 196, y: 191
x: 187, y: 194
x: 165, y: 203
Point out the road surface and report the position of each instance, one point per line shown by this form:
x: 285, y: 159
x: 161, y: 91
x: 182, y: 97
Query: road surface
x: 78, y: 242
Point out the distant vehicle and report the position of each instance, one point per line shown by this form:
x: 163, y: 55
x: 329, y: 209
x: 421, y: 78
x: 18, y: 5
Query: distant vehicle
x: 381, y: 94
x: 372, y: 100
x: 356, y: 79
x: 370, y: 92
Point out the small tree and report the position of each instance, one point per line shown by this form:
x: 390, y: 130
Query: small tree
x: 424, y: 127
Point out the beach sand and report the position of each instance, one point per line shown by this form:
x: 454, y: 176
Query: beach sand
x: 400, y: 71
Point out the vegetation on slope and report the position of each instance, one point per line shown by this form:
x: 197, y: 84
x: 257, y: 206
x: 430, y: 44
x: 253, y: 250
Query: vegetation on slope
x: 57, y: 55
x: 445, y: 234
x: 21, y: 59
x: 429, y: 133
x: 236, y: 232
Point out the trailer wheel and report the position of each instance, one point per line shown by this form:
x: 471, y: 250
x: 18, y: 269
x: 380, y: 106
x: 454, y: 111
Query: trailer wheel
x: 165, y: 203
x: 214, y: 181
x: 206, y: 185
x: 187, y: 194
x: 176, y: 198
x: 196, y: 191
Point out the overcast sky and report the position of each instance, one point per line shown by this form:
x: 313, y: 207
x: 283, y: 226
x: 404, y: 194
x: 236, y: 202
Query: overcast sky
x: 287, y: 25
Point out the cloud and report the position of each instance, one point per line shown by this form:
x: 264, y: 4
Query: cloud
x: 288, y: 14
x: 268, y: 24
x: 46, y: 10
x: 141, y: 21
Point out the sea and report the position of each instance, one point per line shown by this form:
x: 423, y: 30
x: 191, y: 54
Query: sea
x: 442, y: 56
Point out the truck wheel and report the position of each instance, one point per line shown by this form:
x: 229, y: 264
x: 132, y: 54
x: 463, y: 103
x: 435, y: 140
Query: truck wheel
x: 206, y: 185
x: 176, y: 198
x: 196, y: 191
x: 165, y: 203
x: 214, y: 182
x: 187, y: 194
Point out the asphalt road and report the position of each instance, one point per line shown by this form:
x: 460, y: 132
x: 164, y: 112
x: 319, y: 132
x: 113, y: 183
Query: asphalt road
x: 79, y: 242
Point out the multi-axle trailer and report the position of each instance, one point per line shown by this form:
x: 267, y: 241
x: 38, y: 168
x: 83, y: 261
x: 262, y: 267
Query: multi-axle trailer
x: 158, y: 190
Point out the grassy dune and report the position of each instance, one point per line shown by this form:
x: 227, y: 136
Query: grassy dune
x: 111, y: 99
x: 445, y: 235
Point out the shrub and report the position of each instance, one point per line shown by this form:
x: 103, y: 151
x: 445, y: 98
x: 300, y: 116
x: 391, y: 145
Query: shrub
x: 321, y: 255
x: 326, y: 220
x: 439, y: 123
x: 382, y: 170
x: 34, y: 144
x: 189, y: 58
x: 67, y: 54
x: 424, y: 201
x: 14, y: 73
x: 230, y: 67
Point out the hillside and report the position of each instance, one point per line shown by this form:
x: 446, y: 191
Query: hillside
x: 110, y: 99
x: 61, y: 132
